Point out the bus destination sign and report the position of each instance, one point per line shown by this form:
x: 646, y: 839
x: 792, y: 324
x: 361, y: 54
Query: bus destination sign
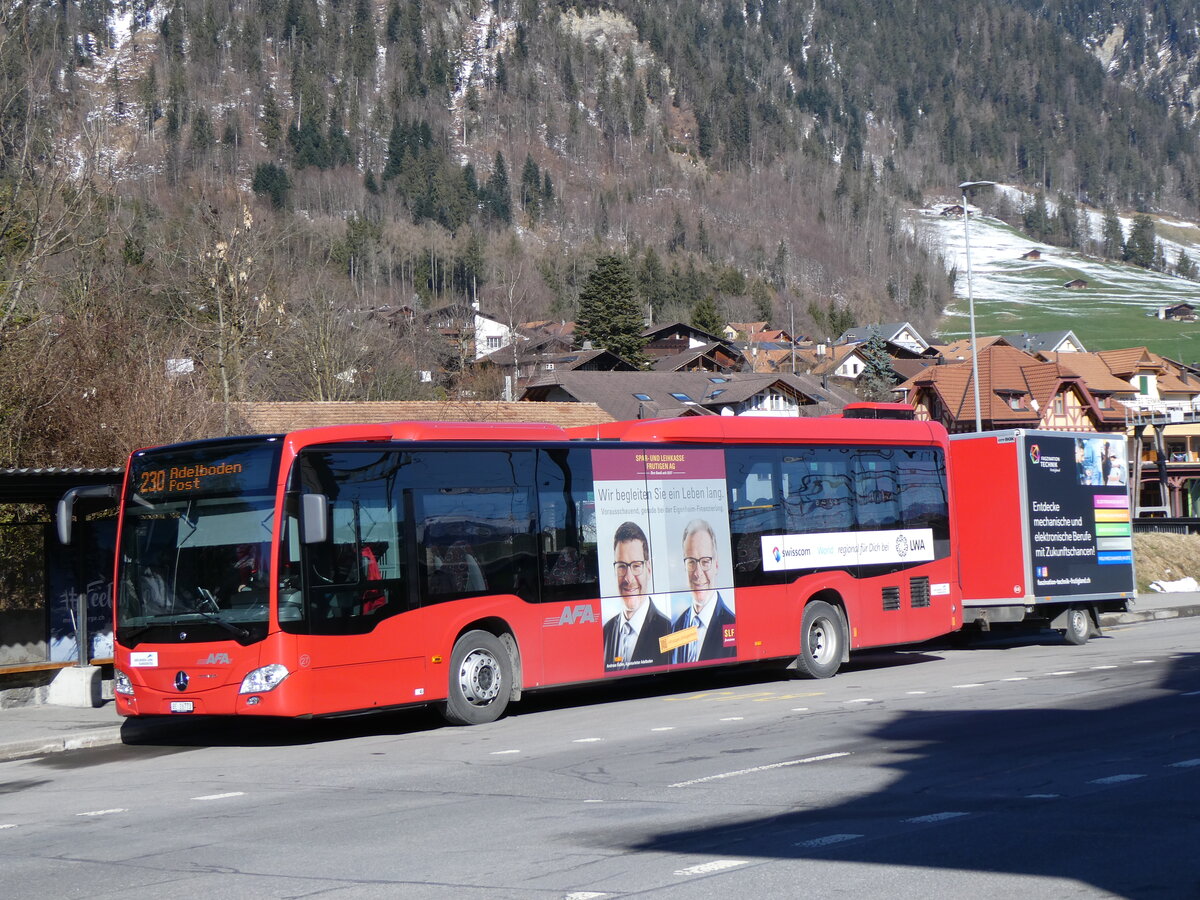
x: 205, y: 471
x: 183, y: 479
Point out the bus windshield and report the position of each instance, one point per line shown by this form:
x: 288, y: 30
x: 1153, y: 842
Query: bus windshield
x: 196, y: 544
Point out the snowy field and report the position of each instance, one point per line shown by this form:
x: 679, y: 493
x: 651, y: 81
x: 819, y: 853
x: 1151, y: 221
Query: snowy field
x: 1117, y: 309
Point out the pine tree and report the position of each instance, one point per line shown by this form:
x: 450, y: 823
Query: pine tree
x: 706, y: 317
x: 878, y: 376
x: 1112, y: 240
x: 608, y: 315
x: 761, y: 296
x: 652, y: 281
x: 1184, y: 266
x: 1139, y: 249
x: 498, y: 194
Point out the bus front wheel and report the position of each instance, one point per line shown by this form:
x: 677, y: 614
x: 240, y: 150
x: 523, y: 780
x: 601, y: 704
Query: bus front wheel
x: 480, y: 680
x: 822, y: 641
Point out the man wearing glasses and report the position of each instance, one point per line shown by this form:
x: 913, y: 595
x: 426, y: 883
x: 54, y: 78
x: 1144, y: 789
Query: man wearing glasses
x: 631, y: 637
x: 707, y: 612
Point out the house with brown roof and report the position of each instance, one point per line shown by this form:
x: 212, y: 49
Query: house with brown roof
x: 1016, y: 390
x: 1180, y: 312
x: 1033, y: 254
x: 1076, y: 284
x: 650, y: 395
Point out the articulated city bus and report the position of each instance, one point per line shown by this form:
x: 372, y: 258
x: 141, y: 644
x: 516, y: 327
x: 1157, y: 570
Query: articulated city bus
x: 353, y: 568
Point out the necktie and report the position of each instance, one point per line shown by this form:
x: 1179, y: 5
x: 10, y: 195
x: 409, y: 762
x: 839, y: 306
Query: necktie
x: 626, y: 642
x: 694, y: 649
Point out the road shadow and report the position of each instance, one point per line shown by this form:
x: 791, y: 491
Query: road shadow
x: 1021, y: 800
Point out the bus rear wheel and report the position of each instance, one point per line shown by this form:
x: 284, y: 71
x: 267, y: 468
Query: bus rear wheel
x: 822, y: 641
x: 480, y: 680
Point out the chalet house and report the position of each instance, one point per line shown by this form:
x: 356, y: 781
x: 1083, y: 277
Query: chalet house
x: 648, y: 395
x: 1077, y: 284
x: 902, y: 334
x: 668, y: 340
x: 716, y: 356
x: 1033, y: 254
x: 953, y: 211
x: 533, y: 356
x: 960, y: 351
x: 1045, y: 342
x: 465, y: 325
x: 1180, y: 312
x: 734, y: 331
x: 1016, y: 390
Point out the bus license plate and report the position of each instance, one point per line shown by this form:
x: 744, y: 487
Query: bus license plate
x: 182, y: 706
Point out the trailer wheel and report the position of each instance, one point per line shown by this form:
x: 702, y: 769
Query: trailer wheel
x: 822, y: 641
x: 480, y: 680
x: 1079, y: 626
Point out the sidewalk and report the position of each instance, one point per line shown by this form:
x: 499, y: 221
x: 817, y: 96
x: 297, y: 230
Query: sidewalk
x: 28, y: 731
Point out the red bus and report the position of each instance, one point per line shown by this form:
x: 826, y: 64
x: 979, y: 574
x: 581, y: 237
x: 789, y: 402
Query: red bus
x: 353, y: 568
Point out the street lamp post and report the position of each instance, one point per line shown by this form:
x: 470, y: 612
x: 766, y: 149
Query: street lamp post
x: 964, y: 187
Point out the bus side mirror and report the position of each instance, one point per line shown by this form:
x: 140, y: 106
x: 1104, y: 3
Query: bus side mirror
x: 65, y: 513
x: 314, y: 512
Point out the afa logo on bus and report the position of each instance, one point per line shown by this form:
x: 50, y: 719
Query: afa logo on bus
x: 572, y: 615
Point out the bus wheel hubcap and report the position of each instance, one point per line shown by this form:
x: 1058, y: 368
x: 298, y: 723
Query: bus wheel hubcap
x: 819, y: 641
x: 479, y: 677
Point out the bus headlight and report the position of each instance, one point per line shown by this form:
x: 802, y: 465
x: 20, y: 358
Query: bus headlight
x: 264, y: 679
x: 121, y: 683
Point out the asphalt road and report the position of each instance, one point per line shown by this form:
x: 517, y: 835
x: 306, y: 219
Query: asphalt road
x: 1020, y: 768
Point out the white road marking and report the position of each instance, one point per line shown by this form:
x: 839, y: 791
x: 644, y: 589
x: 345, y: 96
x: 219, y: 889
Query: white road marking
x: 587, y: 740
x: 1142, y: 662
x: 664, y: 728
x: 829, y: 839
x: 916, y: 692
x: 799, y: 709
x: 1115, y: 779
x: 862, y: 700
x: 221, y: 796
x: 717, y: 865
x: 1103, y: 667
x: 968, y: 685
x: 1064, y: 672
x: 504, y: 752
x: 101, y: 812
x: 934, y: 817
x: 767, y: 768
x: 584, y: 895
x: 732, y: 719
x: 1186, y: 764
x: 8, y: 825
x: 1017, y: 678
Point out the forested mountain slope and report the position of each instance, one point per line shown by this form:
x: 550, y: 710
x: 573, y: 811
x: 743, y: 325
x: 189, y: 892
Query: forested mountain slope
x: 255, y: 185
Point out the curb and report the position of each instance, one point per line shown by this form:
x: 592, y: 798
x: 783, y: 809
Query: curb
x: 100, y: 737
x: 1150, y: 615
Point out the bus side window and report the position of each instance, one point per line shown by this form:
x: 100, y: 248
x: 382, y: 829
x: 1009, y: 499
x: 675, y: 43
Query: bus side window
x: 755, y: 505
x: 567, y: 526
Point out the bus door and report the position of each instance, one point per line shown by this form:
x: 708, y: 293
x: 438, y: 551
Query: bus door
x: 360, y: 645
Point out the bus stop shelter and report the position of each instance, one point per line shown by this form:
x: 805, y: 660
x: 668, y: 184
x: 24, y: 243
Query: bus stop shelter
x: 55, y: 600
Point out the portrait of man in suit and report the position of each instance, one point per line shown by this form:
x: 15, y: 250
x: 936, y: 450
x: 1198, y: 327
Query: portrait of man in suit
x: 707, y: 612
x: 631, y: 637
